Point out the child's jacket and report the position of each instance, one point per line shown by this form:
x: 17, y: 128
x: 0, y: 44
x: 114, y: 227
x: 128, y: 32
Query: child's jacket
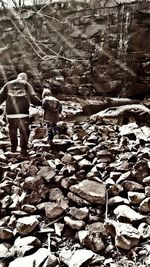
x: 52, y: 108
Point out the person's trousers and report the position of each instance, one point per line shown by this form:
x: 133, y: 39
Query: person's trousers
x: 23, y: 125
x: 52, y: 130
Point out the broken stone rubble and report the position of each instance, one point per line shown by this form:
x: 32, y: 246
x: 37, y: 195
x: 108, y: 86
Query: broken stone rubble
x: 57, y: 191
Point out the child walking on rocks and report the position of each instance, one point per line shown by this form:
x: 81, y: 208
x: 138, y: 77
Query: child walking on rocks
x: 52, y: 108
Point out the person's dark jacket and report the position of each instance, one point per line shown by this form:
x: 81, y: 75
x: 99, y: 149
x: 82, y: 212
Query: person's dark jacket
x: 18, y: 95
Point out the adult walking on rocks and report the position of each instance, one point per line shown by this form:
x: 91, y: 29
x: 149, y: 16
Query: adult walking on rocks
x: 18, y: 94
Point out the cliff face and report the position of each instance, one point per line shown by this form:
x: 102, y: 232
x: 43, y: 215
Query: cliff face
x: 79, y: 47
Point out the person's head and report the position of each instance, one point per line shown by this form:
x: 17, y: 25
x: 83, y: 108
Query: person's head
x: 46, y: 92
x: 22, y: 76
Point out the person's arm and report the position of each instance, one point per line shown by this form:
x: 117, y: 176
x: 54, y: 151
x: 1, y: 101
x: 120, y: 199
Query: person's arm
x: 34, y: 99
x: 3, y: 94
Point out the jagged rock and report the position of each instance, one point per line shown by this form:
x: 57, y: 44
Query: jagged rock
x: 75, y: 150
x: 58, y: 228
x: 91, y: 191
x: 91, y: 240
x: 142, y: 133
x: 37, y: 195
x: 146, y: 180
x: 27, y: 224
x: 145, y: 205
x: 80, y: 257
x: 6, y: 201
x: 78, y: 200
x: 123, y: 212
x: 74, y: 224
x: 125, y: 176
x: 46, y: 172
x: 132, y: 186
x: 122, y: 114
x: 55, y: 194
x: 115, y: 189
x: 79, y: 214
x: 24, y: 244
x: 32, y: 183
x: 6, y: 233
x: 68, y: 181
x: 67, y: 158
x: 6, y: 251
x: 135, y: 197
x: 141, y: 170
x: 37, y: 259
x: 55, y: 209
x: 67, y: 170
x: 96, y: 227
x: 144, y: 230
x: 147, y: 191
x: 29, y: 208
x: 117, y: 200
x: 126, y: 236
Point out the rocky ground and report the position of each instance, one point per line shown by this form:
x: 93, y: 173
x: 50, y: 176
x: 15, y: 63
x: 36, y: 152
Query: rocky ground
x: 84, y: 201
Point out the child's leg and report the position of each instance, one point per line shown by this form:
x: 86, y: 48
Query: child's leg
x: 55, y: 128
x: 50, y: 131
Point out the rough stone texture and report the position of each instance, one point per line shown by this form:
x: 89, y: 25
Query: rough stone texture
x: 83, y: 47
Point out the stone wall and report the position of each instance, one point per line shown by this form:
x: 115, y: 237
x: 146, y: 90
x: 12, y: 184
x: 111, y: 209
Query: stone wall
x: 79, y: 47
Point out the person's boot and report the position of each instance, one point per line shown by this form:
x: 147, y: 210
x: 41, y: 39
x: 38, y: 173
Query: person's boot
x: 13, y: 149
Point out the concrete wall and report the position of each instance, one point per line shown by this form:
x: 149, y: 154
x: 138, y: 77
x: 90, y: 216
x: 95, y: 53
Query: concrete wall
x: 79, y: 47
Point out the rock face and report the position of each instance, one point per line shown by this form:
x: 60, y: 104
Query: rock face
x: 79, y: 47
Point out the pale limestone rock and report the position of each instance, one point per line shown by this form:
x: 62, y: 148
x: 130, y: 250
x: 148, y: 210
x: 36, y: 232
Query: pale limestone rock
x: 141, y: 169
x: 125, y: 176
x: 146, y: 180
x: 145, y: 205
x: 136, y: 197
x: 75, y: 150
x: 65, y: 255
x: 26, y: 224
x: 144, y: 230
x: 96, y: 227
x: 123, y: 211
x: 91, y: 240
x: 46, y: 172
x: 91, y: 191
x: 147, y: 191
x: 58, y: 228
x: 55, y: 194
x: 80, y: 256
x: 132, y: 186
x: 68, y: 181
x: 126, y: 236
x: 79, y: 214
x: 36, y: 259
x: 26, y: 241
x: 78, y: 200
x: 117, y: 200
x: 67, y: 158
x: 55, y: 209
x: 74, y: 224
x: 32, y: 182
x: 6, y: 201
x: 6, y: 250
x: 115, y: 189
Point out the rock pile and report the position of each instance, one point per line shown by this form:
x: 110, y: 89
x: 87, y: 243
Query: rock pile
x: 83, y: 201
